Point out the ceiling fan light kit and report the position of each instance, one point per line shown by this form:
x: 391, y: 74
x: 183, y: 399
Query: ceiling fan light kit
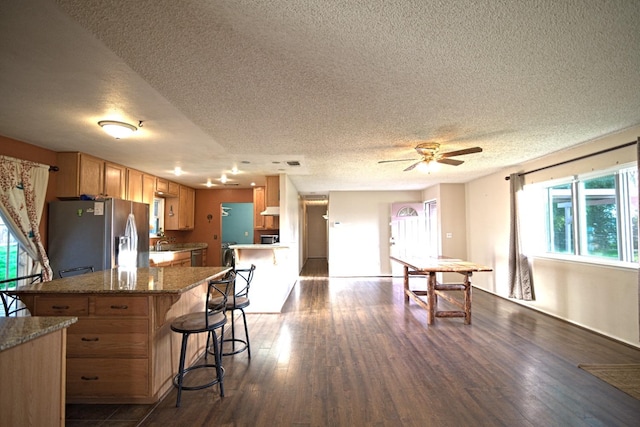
x: 431, y: 156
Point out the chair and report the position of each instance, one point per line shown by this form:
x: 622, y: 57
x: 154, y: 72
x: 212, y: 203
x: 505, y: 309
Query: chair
x: 11, y: 305
x: 213, y: 317
x: 75, y: 271
x: 239, y: 301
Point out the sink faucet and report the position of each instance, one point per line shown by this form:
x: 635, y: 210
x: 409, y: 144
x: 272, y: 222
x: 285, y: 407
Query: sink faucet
x: 159, y: 244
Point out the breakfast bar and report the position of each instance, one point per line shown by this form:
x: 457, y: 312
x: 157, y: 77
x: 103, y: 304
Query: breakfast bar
x: 430, y: 267
x: 121, y: 350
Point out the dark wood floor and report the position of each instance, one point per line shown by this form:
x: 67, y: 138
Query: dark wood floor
x: 350, y: 352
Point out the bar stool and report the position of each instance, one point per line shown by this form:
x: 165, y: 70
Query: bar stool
x: 214, y: 317
x: 240, y: 301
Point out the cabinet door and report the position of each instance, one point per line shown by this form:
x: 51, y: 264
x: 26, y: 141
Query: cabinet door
x: 148, y: 188
x: 114, y: 180
x: 134, y: 185
x: 258, y: 206
x: 273, y: 191
x: 187, y: 206
x: 171, y: 211
x: 162, y: 185
x: 90, y: 175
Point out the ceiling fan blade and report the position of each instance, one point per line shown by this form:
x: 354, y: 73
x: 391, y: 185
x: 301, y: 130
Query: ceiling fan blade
x: 452, y: 162
x: 398, y: 160
x: 461, y: 152
x: 412, y: 166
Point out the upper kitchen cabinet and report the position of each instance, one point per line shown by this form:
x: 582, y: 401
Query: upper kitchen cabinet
x: 179, y: 212
x: 264, y: 197
x: 140, y: 186
x: 272, y: 191
x: 115, y: 181
x: 84, y: 174
x: 166, y: 188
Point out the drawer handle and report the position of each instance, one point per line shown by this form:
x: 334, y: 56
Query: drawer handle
x: 119, y: 307
x: 90, y: 339
x: 89, y: 378
x: 60, y: 307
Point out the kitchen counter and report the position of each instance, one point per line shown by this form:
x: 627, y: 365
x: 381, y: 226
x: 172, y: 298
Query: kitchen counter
x: 19, y: 330
x: 152, y: 280
x: 259, y: 246
x: 174, y: 251
x: 273, y: 278
x: 122, y: 349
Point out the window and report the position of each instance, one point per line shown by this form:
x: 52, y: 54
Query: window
x: 156, y: 217
x: 593, y: 216
x: 12, y: 256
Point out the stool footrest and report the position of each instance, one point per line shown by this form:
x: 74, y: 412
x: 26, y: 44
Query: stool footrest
x: 176, y: 378
x: 450, y: 314
x: 235, y: 340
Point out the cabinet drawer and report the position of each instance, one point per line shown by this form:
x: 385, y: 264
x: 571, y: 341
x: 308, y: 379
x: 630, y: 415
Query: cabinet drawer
x: 108, y: 338
x: 61, y: 306
x: 107, y: 377
x: 122, y: 306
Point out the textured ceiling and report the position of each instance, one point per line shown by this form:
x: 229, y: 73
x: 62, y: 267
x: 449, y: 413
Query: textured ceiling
x: 334, y: 85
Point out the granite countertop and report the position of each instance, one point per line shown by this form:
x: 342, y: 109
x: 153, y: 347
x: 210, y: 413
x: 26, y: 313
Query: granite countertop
x: 152, y: 280
x: 259, y: 246
x: 18, y: 330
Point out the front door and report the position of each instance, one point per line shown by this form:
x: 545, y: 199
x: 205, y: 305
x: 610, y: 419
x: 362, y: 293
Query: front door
x: 407, y: 231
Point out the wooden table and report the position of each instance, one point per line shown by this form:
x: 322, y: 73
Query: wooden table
x: 122, y: 350
x: 422, y: 266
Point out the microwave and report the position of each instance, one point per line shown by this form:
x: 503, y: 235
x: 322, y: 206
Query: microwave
x: 269, y: 239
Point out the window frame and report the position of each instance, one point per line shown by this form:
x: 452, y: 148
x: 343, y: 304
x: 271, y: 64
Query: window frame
x: 542, y: 248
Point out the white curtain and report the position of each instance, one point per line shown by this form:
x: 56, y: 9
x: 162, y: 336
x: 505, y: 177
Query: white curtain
x: 23, y: 187
x: 520, y: 283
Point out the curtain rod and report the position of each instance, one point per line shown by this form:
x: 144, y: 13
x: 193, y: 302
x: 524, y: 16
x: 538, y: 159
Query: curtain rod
x: 577, y: 158
x: 53, y: 169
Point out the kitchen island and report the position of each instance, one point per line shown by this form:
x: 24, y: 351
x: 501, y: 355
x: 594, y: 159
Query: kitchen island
x: 32, y: 362
x: 122, y: 350
x: 274, y: 276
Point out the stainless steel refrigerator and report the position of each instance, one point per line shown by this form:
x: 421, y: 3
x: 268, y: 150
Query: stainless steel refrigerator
x: 103, y: 234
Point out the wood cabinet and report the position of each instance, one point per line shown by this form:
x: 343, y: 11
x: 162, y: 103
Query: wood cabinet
x: 262, y: 222
x: 258, y: 206
x: 140, y: 186
x: 272, y: 191
x: 166, y: 188
x: 178, y: 259
x: 33, y: 382
x: 108, y: 349
x: 114, y: 181
x: 79, y: 174
x: 84, y: 174
x: 179, y: 212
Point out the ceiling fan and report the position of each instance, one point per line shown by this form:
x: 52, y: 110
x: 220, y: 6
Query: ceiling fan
x: 430, y: 152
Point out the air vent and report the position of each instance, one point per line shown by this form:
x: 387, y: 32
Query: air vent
x: 231, y: 184
x: 293, y: 163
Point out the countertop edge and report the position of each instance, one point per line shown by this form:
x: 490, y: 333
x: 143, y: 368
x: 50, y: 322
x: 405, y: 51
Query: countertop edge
x: 34, y: 327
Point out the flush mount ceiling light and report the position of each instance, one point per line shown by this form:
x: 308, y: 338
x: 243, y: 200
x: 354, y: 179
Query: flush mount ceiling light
x: 117, y: 130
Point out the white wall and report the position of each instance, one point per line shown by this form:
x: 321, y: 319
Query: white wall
x: 601, y: 298
x: 290, y: 223
x: 359, y: 231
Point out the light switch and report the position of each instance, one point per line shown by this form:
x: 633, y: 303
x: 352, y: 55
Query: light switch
x: 449, y: 235
x: 246, y: 233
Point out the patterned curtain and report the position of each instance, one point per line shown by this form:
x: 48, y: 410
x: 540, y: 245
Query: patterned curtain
x: 23, y: 187
x: 520, y: 283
